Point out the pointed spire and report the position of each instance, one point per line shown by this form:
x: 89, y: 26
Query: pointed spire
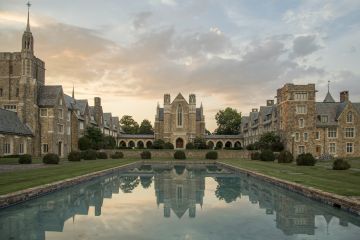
x: 73, y: 93
x: 28, y: 17
x: 329, y: 98
x: 201, y: 106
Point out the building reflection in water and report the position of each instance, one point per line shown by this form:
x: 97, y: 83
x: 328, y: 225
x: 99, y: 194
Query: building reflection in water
x: 179, y: 189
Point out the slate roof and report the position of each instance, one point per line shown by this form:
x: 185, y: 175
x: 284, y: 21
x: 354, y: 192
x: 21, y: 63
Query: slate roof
x: 328, y: 98
x: 11, y: 124
x: 48, y: 95
x: 329, y: 109
x: 70, y: 102
x: 137, y: 136
x: 107, y: 119
x: 81, y: 105
x: 215, y: 136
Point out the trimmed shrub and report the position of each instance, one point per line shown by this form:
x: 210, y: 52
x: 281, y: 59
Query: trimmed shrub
x: 101, y: 155
x: 179, y: 155
x: 189, y: 145
x: 340, y: 164
x: 277, y: 146
x: 74, y: 156
x: 212, y: 155
x: 145, y: 155
x: 168, y: 145
x: 25, y: 159
x: 267, y: 155
x: 305, y: 159
x: 255, y: 156
x: 285, y: 157
x: 84, y: 143
x: 89, y: 155
x: 158, y: 144
x: 11, y: 156
x: 51, y: 158
x: 117, y: 155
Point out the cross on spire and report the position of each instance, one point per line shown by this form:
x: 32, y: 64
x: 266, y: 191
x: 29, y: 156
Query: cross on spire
x: 28, y: 16
x: 329, y: 86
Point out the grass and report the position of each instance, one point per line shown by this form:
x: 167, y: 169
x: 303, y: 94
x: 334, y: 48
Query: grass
x: 22, y: 179
x: 345, y: 182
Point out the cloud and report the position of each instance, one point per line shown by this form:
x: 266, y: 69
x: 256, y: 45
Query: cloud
x: 304, y: 45
x: 141, y: 18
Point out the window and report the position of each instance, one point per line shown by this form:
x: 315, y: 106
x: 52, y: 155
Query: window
x: 10, y: 107
x: 349, y: 132
x: 324, y: 118
x: 68, y: 115
x: 21, y: 148
x: 11, y: 69
x: 301, y: 149
x: 45, y: 148
x: 301, y: 123
x: 332, y: 148
x: 301, y: 96
x: 60, y: 113
x: 81, y: 125
x: 60, y: 128
x: 349, y: 147
x: 297, y: 137
x: 317, y: 135
x: 17, y: 92
x: 332, y: 133
x: 7, y: 148
x: 60, y: 101
x: 1, y: 92
x: 179, y: 116
x: 43, y: 112
x: 68, y: 130
x: 349, y: 117
x: 305, y: 136
x: 301, y: 109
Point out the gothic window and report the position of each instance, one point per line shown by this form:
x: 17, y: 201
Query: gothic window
x: 349, y: 117
x: 180, y: 116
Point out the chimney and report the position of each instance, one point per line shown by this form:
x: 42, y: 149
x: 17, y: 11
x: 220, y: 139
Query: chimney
x: 254, y: 110
x: 344, y: 96
x: 97, y: 101
x: 269, y: 102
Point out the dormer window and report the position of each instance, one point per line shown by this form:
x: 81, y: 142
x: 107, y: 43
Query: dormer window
x: 324, y: 118
x: 349, y: 117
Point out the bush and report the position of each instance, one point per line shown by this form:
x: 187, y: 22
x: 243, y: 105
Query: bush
x: 212, y: 155
x: 340, y: 164
x: 89, y: 155
x: 168, y: 145
x: 117, y: 155
x: 189, y: 145
x: 145, y: 155
x: 255, y: 156
x: 277, y: 146
x: 11, y: 156
x: 84, y: 143
x: 285, y: 157
x: 25, y: 159
x: 179, y: 155
x: 253, y: 146
x: 267, y: 155
x: 74, y: 156
x: 101, y: 155
x: 158, y: 144
x: 200, y: 143
x: 305, y: 159
x: 51, y: 158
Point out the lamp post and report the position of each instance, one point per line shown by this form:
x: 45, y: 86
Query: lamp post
x: 292, y: 143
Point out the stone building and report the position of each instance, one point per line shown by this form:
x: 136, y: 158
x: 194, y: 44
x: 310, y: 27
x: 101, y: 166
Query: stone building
x: 320, y: 128
x: 179, y: 121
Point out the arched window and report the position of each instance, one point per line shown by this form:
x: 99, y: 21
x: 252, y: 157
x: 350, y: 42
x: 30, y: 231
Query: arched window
x: 349, y: 117
x: 180, y: 116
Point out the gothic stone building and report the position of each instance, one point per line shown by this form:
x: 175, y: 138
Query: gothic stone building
x: 179, y: 121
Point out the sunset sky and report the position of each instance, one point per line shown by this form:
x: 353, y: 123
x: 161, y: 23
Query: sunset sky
x: 228, y: 52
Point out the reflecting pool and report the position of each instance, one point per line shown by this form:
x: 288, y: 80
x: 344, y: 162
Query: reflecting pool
x: 176, y: 202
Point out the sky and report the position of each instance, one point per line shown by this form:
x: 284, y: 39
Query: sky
x: 230, y: 53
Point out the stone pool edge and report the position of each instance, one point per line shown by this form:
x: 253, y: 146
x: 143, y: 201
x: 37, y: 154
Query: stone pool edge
x: 334, y: 200
x: 20, y: 196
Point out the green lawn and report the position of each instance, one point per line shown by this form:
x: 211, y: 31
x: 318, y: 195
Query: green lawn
x: 346, y: 183
x: 22, y: 179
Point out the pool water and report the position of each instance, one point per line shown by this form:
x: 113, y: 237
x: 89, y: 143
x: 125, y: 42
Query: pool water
x: 176, y: 202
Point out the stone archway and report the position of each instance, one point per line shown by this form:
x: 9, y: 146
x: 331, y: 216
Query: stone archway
x: 122, y: 144
x: 210, y: 144
x: 131, y: 144
x: 148, y: 144
x: 237, y: 144
x: 228, y: 144
x: 140, y: 144
x: 179, y: 143
x: 219, y: 145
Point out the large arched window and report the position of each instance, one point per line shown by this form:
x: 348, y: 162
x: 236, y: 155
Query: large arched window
x: 349, y: 117
x: 180, y: 116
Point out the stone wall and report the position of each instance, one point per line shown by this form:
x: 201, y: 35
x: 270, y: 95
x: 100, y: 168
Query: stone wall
x: 194, y: 154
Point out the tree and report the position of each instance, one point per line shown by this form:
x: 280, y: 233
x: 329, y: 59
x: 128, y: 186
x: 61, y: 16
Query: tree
x: 145, y: 182
x: 129, y: 125
x: 207, y: 132
x: 109, y: 142
x: 128, y: 183
x: 228, y: 189
x: 200, y: 143
x: 270, y: 140
x: 146, y: 127
x: 95, y: 136
x: 84, y: 143
x: 228, y: 121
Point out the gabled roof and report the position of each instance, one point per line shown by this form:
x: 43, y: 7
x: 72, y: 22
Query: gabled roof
x: 328, y: 109
x: 107, y: 119
x: 48, y: 95
x: 179, y: 97
x: 11, y: 124
x: 81, y: 105
x: 328, y: 98
x: 70, y: 102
